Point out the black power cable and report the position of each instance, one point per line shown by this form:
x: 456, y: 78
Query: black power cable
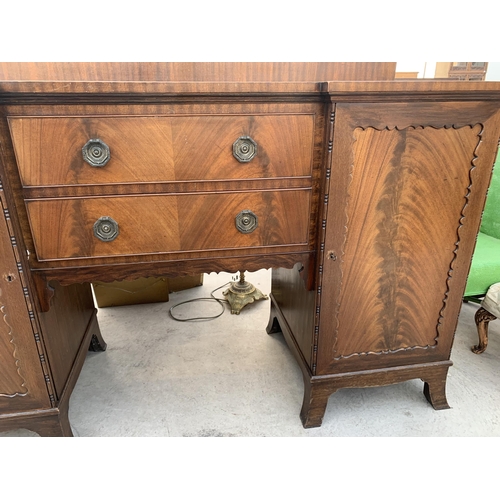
x: 202, y: 318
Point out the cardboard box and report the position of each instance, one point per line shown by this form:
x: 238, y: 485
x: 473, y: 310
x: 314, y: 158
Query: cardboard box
x: 184, y: 282
x: 125, y: 293
x: 141, y: 290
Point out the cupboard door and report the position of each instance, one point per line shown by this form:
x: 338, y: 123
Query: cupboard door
x: 22, y: 381
x: 408, y: 184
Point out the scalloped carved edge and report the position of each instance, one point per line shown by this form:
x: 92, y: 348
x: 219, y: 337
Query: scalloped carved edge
x: 131, y: 271
x: 460, y: 224
x: 14, y: 355
x: 455, y: 251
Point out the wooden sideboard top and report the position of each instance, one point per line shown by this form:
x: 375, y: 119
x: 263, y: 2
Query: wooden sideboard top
x: 198, y: 71
x: 395, y: 90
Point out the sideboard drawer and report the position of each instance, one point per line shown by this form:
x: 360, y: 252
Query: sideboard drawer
x: 106, y: 226
x: 161, y: 148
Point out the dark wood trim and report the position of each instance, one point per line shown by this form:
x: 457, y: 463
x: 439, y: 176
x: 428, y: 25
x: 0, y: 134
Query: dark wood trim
x: 420, y: 90
x: 164, y: 187
x: 46, y: 423
x: 174, y: 268
x: 130, y: 92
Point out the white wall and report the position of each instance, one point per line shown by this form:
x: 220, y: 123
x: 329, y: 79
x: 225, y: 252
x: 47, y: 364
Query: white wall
x: 424, y: 69
x: 493, y: 72
x: 409, y: 66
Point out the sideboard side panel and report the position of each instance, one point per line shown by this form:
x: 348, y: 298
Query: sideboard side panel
x: 66, y: 324
x: 22, y: 381
x: 296, y: 303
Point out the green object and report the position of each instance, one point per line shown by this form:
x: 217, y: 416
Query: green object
x: 490, y: 223
x: 485, y: 266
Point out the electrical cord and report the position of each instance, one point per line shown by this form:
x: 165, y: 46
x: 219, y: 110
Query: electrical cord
x: 202, y: 318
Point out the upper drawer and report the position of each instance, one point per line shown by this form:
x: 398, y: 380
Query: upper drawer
x: 161, y: 148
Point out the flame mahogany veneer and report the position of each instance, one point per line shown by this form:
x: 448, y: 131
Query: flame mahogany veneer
x: 364, y: 197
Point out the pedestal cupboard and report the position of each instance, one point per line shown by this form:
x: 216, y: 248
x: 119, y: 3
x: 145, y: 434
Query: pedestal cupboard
x: 364, y: 197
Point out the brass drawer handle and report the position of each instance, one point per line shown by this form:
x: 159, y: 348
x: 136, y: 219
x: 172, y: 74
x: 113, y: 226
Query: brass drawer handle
x: 244, y: 149
x: 96, y: 153
x: 106, y: 229
x: 246, y: 221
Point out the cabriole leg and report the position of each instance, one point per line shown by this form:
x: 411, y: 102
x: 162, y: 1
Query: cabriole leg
x: 482, y: 318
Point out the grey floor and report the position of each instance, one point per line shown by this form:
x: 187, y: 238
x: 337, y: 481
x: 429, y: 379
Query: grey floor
x: 227, y: 377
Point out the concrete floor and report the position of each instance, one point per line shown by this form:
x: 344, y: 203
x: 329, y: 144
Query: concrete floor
x: 227, y: 377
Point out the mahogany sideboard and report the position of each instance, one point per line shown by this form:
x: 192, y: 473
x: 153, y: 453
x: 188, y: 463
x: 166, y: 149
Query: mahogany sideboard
x: 364, y: 195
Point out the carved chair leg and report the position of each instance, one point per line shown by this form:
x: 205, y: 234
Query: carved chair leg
x: 482, y: 318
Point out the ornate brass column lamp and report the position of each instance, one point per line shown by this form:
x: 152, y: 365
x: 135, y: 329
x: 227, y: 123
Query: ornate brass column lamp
x: 241, y: 293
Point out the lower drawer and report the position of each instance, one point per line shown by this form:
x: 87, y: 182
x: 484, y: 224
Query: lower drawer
x: 72, y: 228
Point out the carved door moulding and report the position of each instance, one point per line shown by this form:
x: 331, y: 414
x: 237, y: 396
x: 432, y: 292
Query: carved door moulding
x: 391, y: 215
x: 7, y: 345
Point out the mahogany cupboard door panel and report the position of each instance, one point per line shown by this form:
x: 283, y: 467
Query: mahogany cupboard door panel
x: 411, y: 180
x: 22, y: 381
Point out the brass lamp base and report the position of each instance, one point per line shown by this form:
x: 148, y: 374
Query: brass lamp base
x: 241, y: 293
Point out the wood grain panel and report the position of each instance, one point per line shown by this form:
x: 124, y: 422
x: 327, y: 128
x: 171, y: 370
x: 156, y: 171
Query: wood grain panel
x: 12, y: 381
x: 158, y: 224
x: 71, y: 311
x: 398, y: 250
x: 406, y: 236
x: 81, y: 93
x: 199, y: 71
x: 49, y: 150
x: 296, y: 304
x: 22, y: 384
x: 156, y: 149
x: 203, y: 146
